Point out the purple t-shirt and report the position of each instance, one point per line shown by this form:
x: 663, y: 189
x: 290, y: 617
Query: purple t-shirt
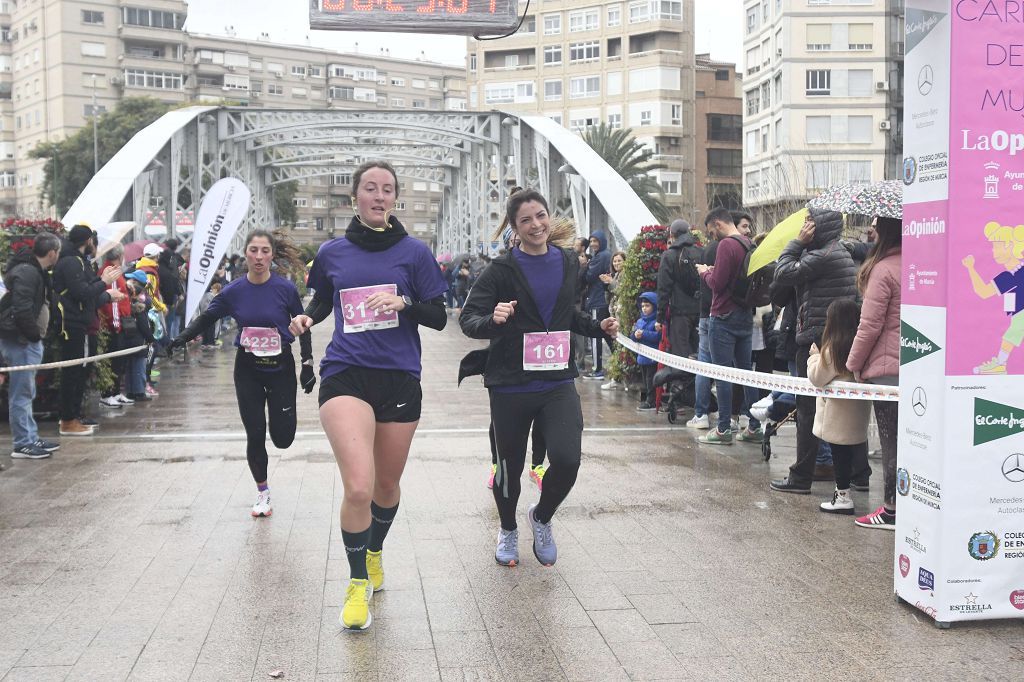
x: 1012, y: 281
x: 544, y: 275
x: 271, y: 304
x: 410, y: 266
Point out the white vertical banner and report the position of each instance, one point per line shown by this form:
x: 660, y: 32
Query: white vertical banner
x: 222, y: 211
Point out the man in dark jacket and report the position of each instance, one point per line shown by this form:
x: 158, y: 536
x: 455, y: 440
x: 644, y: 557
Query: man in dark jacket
x: 822, y: 270
x: 169, y: 265
x: 79, y: 293
x: 597, y: 303
x: 679, y: 289
x: 24, y: 319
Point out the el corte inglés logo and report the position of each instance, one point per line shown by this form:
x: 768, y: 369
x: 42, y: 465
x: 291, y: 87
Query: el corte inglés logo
x: 993, y: 421
x: 914, y: 345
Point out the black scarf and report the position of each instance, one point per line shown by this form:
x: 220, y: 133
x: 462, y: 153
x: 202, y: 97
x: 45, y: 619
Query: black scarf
x: 371, y: 240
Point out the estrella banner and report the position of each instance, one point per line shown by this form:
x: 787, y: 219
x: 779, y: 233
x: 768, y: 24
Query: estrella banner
x: 222, y: 211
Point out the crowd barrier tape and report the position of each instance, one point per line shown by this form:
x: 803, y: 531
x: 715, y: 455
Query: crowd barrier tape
x: 769, y: 382
x: 72, y: 363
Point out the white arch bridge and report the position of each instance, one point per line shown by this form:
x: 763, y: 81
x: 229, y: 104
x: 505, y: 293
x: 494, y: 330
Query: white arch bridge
x: 473, y: 156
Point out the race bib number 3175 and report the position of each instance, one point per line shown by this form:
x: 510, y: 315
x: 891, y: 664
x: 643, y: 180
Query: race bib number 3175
x: 358, y: 317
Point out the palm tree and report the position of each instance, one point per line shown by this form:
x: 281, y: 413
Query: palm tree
x: 632, y: 161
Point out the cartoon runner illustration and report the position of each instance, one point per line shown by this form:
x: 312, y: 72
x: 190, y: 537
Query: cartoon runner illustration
x: 1007, y: 251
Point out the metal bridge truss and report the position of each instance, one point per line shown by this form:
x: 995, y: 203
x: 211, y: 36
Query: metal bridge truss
x: 472, y: 158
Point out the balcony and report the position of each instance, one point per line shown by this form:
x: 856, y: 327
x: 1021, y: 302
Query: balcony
x: 150, y: 34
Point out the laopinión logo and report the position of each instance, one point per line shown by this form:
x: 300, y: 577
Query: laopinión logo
x: 903, y: 481
x: 983, y: 546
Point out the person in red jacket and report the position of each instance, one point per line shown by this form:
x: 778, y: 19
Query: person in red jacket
x: 113, y: 317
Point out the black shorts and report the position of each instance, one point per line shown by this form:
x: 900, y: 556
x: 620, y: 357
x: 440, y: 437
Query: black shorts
x: 394, y: 395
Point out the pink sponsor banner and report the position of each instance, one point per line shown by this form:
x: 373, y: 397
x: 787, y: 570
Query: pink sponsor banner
x: 985, y: 309
x: 924, y: 253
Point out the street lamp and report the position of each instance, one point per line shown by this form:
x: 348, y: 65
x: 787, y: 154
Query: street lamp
x: 95, y: 136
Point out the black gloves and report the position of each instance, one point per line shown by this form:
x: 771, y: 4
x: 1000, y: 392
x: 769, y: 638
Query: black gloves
x: 307, y: 378
x: 179, y: 342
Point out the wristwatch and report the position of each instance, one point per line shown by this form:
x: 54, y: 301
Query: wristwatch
x: 407, y: 301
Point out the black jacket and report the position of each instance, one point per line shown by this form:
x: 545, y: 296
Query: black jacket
x: 79, y: 290
x: 674, y: 287
x: 170, y: 282
x: 28, y: 290
x: 822, y: 272
x: 504, y: 281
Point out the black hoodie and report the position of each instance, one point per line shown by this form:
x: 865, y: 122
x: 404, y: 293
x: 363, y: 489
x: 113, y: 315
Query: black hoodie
x: 28, y: 290
x: 79, y: 290
x: 679, y: 286
x: 503, y: 281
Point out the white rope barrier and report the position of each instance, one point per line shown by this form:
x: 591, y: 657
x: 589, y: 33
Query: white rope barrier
x: 770, y: 382
x: 72, y: 363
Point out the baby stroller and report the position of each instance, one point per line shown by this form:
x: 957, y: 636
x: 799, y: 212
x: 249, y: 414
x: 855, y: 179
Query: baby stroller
x: 677, y: 392
x: 778, y: 409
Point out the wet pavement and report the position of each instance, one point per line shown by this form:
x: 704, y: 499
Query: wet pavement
x: 132, y: 555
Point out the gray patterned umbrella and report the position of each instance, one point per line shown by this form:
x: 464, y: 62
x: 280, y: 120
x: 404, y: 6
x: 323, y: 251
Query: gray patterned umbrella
x: 884, y: 199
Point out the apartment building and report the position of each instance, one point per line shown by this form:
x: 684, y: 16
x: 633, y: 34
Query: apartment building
x: 629, y: 64
x: 719, y: 136
x: 822, y: 88
x: 59, y: 57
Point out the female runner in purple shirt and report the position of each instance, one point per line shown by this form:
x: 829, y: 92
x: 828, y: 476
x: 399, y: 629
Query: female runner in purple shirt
x: 263, y: 303
x: 381, y: 285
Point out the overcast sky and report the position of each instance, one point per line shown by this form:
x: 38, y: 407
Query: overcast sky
x: 719, y: 29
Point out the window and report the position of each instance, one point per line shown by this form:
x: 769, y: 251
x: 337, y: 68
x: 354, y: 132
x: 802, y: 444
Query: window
x: 400, y: 82
x: 859, y: 82
x: 553, y: 54
x: 341, y: 92
x: 580, y: 124
x: 472, y: 67
x: 750, y: 148
x: 504, y: 93
x: 275, y: 68
x: 614, y: 82
x: 859, y: 173
x: 819, y: 37
x: 586, y: 86
x: 671, y: 10
x: 726, y: 195
x: 256, y: 65
x: 645, y: 117
x: 778, y: 133
x: 316, y: 72
x: 722, y: 74
x: 398, y: 101
x: 93, y: 49
x: 819, y: 82
x: 584, y: 20
x: 92, y: 17
x: 676, y: 114
x: 861, y: 37
x: 654, y: 78
x: 298, y: 70
x: 87, y: 110
x: 419, y: 83
x: 753, y: 60
x: 819, y: 129
x: 728, y: 162
x: 753, y: 182
x: 275, y: 89
x: 670, y: 182
x: 152, y: 18
x: 614, y: 16
x: 552, y: 24
x: 300, y: 202
x: 764, y: 139
x: 860, y: 129
x: 234, y: 82
x: 94, y: 80
x: 159, y: 80
x: 298, y: 92
x: 529, y: 25
x: 752, y: 22
x: 766, y: 94
x: 753, y: 101
x: 511, y: 61
x: 552, y: 90
x: 639, y: 12
x: 256, y: 87
x: 725, y: 127
x: 584, y: 52
x: 614, y: 121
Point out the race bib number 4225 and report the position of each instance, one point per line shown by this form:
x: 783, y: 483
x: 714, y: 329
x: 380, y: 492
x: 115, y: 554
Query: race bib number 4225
x: 262, y: 342
x: 359, y: 317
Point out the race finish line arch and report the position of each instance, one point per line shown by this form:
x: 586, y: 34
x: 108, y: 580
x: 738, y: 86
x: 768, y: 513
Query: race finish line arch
x: 474, y: 158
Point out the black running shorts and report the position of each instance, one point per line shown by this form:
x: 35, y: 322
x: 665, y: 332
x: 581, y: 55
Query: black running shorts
x: 394, y: 395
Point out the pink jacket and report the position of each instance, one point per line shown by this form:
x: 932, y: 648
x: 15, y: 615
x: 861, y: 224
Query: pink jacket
x: 876, y: 350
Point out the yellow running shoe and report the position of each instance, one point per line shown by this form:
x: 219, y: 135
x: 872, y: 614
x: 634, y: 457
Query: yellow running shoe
x: 537, y: 475
x: 355, y: 615
x: 375, y: 569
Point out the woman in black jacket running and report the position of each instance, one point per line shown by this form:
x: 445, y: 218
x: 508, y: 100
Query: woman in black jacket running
x: 524, y: 303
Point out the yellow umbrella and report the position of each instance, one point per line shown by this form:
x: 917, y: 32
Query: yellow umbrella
x: 776, y: 241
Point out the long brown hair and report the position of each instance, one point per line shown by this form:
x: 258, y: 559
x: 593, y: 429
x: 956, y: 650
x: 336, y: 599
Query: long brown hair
x: 890, y: 240
x: 841, y: 322
x: 286, y: 254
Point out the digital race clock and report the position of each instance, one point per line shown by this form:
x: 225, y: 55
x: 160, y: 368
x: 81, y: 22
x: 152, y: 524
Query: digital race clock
x: 473, y: 17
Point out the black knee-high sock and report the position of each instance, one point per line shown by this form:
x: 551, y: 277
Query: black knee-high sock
x: 381, y: 524
x: 355, y: 549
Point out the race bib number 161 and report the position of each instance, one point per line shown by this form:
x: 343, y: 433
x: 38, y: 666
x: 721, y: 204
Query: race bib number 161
x: 545, y: 351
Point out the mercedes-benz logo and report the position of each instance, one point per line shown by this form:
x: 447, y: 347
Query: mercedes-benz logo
x: 1013, y: 468
x: 920, y: 402
x: 925, y: 79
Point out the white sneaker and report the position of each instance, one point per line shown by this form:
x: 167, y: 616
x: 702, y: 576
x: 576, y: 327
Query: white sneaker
x: 610, y: 385
x: 111, y: 402
x: 761, y: 407
x: 734, y: 425
x: 124, y: 400
x: 841, y: 503
x: 702, y: 422
x: 262, y: 506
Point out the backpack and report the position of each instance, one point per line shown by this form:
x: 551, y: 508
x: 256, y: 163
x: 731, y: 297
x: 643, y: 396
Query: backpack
x: 753, y: 290
x: 686, y: 269
x: 156, y: 323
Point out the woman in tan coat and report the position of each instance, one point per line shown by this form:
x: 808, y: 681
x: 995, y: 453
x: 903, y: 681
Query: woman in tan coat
x: 843, y: 423
x: 875, y: 356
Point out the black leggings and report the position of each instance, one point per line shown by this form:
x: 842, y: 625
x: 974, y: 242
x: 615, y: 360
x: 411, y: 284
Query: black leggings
x: 258, y: 393
x: 540, y: 449
x: 843, y: 457
x: 557, y: 415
